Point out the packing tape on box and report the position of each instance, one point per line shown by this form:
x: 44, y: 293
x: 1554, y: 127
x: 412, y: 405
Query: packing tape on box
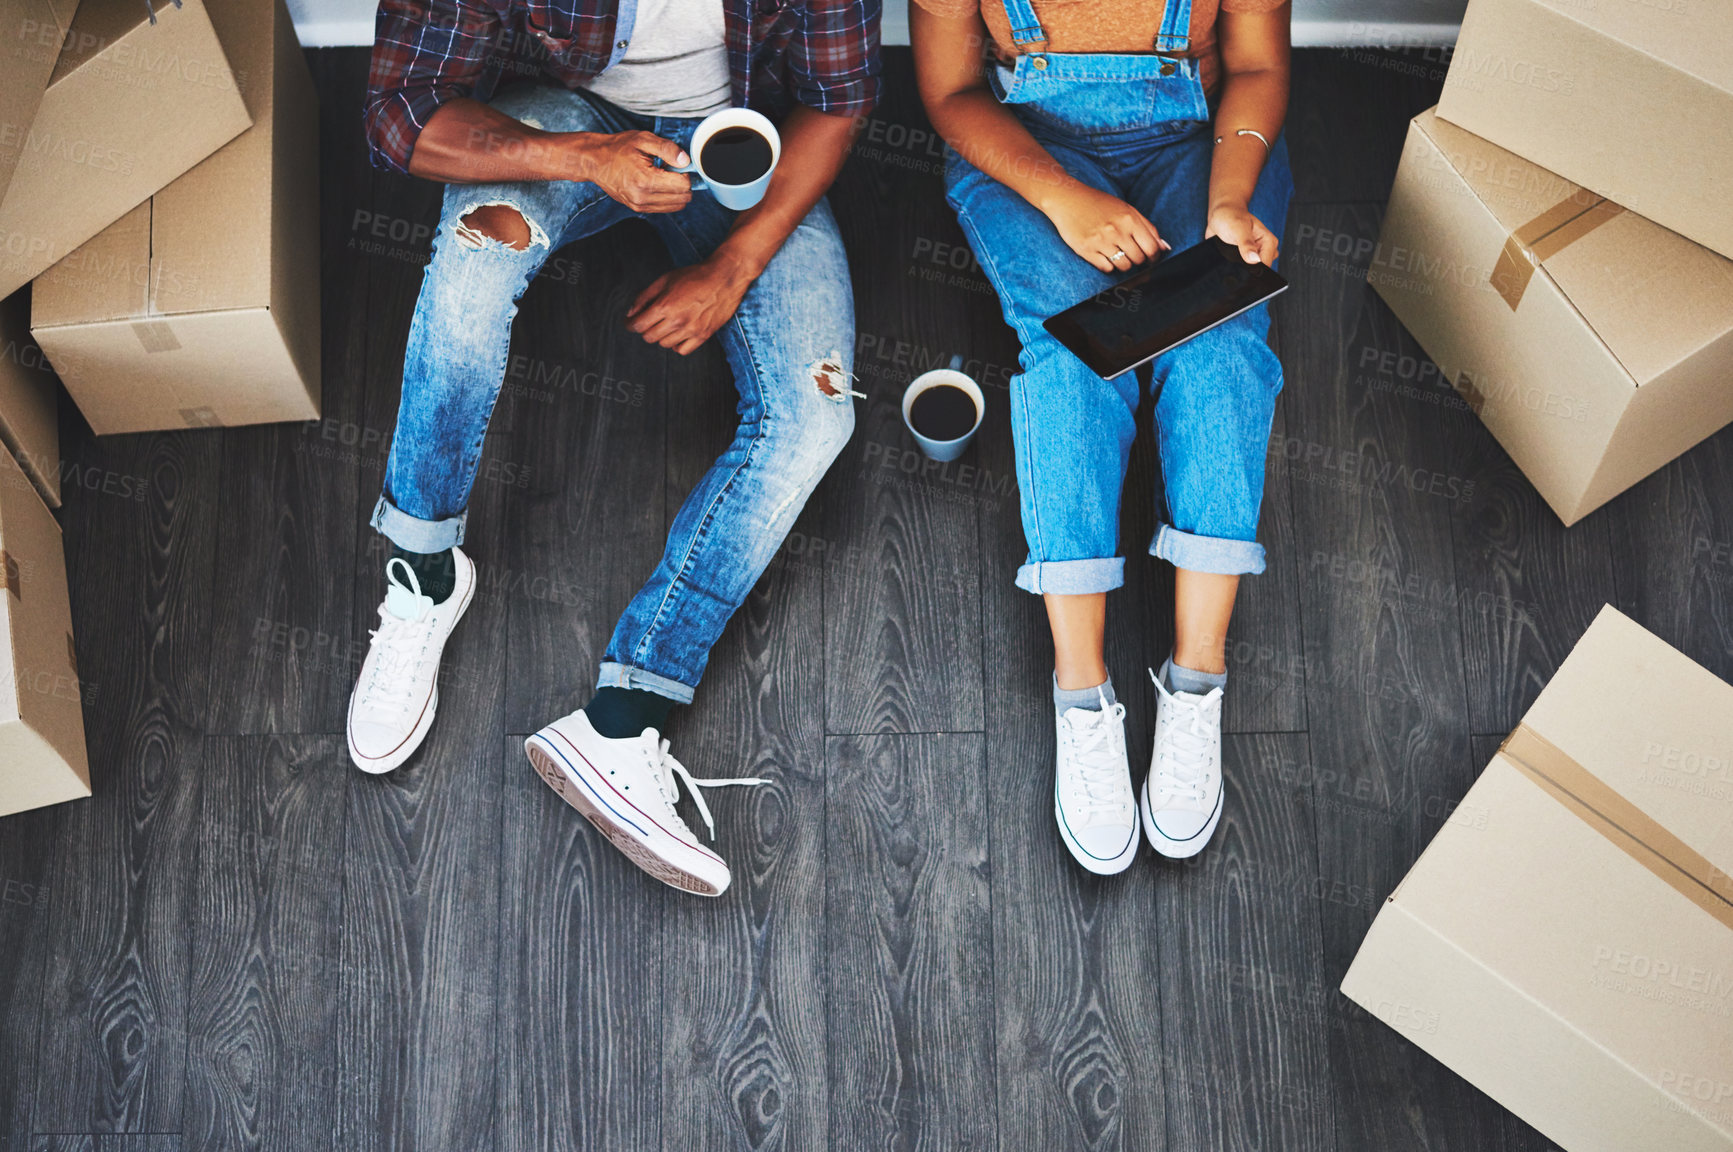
x: 1628, y: 827
x: 1545, y: 236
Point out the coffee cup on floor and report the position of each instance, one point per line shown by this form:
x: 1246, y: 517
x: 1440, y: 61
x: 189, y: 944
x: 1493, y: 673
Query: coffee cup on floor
x: 942, y: 409
x: 734, y: 152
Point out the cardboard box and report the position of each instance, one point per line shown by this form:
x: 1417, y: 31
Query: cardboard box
x: 1630, y: 98
x: 42, y: 754
x: 29, y: 399
x: 1565, y: 943
x: 130, y: 105
x: 1594, y: 344
x: 31, y: 34
x: 216, y: 321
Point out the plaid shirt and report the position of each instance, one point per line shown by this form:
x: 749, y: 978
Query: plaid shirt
x: 820, y: 53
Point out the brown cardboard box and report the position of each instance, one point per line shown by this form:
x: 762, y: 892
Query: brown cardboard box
x: 1594, y: 344
x: 1565, y: 943
x: 31, y: 33
x: 218, y: 320
x: 130, y: 106
x: 1630, y: 98
x: 42, y: 756
x: 29, y: 423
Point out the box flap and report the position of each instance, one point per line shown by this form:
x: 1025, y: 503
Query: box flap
x: 1647, y: 737
x: 30, y: 36
x: 1690, y: 35
x: 106, y: 278
x: 96, y: 26
x: 1652, y: 296
x: 214, y: 223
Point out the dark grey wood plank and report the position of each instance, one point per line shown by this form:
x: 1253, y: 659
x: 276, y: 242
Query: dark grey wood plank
x: 111, y: 1057
x: 1672, y: 543
x: 584, y: 506
x: 910, y: 943
x: 1348, y: 111
x: 1527, y: 586
x: 581, y: 970
x: 1243, y: 1007
x: 903, y: 642
x: 744, y: 1056
x: 1384, y: 674
x: 285, y: 534
x: 28, y: 888
x: 420, y: 867
x: 261, y: 1069
x: 143, y: 1142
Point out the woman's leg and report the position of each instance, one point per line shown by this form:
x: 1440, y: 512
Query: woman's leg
x: 1078, y: 624
x: 1203, y: 603
x: 1072, y: 432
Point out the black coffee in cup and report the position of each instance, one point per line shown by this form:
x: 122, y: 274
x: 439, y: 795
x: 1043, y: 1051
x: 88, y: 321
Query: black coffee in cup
x: 943, y: 412
x: 735, y: 156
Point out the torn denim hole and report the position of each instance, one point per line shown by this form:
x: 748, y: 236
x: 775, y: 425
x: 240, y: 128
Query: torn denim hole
x: 834, y: 383
x: 477, y: 240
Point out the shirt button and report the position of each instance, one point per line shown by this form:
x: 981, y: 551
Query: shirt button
x: 1040, y: 62
x: 621, y: 44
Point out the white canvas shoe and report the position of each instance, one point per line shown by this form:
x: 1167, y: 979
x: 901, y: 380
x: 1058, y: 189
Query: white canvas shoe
x: 627, y: 788
x: 397, y: 693
x: 1093, y: 801
x: 1182, y: 795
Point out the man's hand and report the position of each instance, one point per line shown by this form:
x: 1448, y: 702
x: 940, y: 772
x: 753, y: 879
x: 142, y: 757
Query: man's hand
x: 683, y: 308
x: 624, y: 166
x: 1236, y: 225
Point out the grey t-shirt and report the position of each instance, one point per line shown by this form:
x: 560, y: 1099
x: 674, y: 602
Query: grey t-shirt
x: 676, y: 63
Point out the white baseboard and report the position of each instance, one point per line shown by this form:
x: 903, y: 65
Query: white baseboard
x: 1307, y: 33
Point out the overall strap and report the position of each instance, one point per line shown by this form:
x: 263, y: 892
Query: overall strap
x: 1026, y: 26
x: 1174, y: 39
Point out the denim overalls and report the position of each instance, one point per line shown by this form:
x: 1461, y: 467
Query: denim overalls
x: 1136, y: 126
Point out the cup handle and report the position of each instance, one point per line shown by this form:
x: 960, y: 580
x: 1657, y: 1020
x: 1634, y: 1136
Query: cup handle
x: 698, y: 184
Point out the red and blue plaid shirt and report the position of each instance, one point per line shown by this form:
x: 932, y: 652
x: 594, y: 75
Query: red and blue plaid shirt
x: 820, y: 53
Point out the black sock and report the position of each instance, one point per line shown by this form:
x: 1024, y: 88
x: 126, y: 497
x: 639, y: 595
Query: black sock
x: 436, y: 572
x: 617, y: 713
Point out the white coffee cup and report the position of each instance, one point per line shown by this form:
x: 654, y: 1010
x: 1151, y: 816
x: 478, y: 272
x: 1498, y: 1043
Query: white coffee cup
x: 739, y: 197
x: 944, y: 450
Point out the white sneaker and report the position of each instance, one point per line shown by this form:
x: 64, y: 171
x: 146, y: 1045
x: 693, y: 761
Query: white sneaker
x: 397, y: 693
x: 1182, y: 795
x: 1093, y: 801
x: 627, y: 789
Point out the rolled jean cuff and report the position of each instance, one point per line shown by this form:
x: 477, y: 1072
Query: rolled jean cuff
x: 1072, y: 577
x: 1207, y: 553
x: 626, y: 676
x: 413, y: 534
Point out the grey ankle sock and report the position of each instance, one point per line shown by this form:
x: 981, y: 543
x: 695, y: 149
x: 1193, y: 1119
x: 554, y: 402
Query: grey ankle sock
x: 1181, y: 679
x: 1065, y: 699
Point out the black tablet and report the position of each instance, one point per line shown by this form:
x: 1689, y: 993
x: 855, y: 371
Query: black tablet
x: 1163, y: 305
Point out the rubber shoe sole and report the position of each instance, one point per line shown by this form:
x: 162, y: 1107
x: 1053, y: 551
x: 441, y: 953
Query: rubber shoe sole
x: 572, y: 786
x: 1108, y: 867
x: 378, y: 766
x: 1171, y: 848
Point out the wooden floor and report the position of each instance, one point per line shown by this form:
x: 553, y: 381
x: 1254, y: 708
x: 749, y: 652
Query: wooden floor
x: 243, y: 942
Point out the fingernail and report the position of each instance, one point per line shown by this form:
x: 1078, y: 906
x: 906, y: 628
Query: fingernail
x: 682, y: 160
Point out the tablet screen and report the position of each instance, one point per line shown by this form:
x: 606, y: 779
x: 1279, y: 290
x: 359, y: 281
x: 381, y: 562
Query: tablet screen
x: 1166, y: 304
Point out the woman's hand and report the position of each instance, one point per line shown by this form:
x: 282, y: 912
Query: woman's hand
x: 1103, y: 229
x: 1235, y: 224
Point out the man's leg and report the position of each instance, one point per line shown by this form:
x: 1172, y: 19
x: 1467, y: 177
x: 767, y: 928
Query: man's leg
x: 492, y: 240
x: 790, y: 346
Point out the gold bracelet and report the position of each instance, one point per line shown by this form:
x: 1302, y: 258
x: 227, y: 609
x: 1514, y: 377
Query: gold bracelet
x: 1251, y: 132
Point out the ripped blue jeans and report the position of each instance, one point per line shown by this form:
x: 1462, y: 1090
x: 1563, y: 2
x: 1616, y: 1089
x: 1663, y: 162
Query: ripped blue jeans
x: 790, y: 346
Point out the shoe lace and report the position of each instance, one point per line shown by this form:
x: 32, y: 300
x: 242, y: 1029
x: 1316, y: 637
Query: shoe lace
x: 1182, y: 762
x: 1099, y: 767
x: 668, y: 772
x: 401, y: 650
